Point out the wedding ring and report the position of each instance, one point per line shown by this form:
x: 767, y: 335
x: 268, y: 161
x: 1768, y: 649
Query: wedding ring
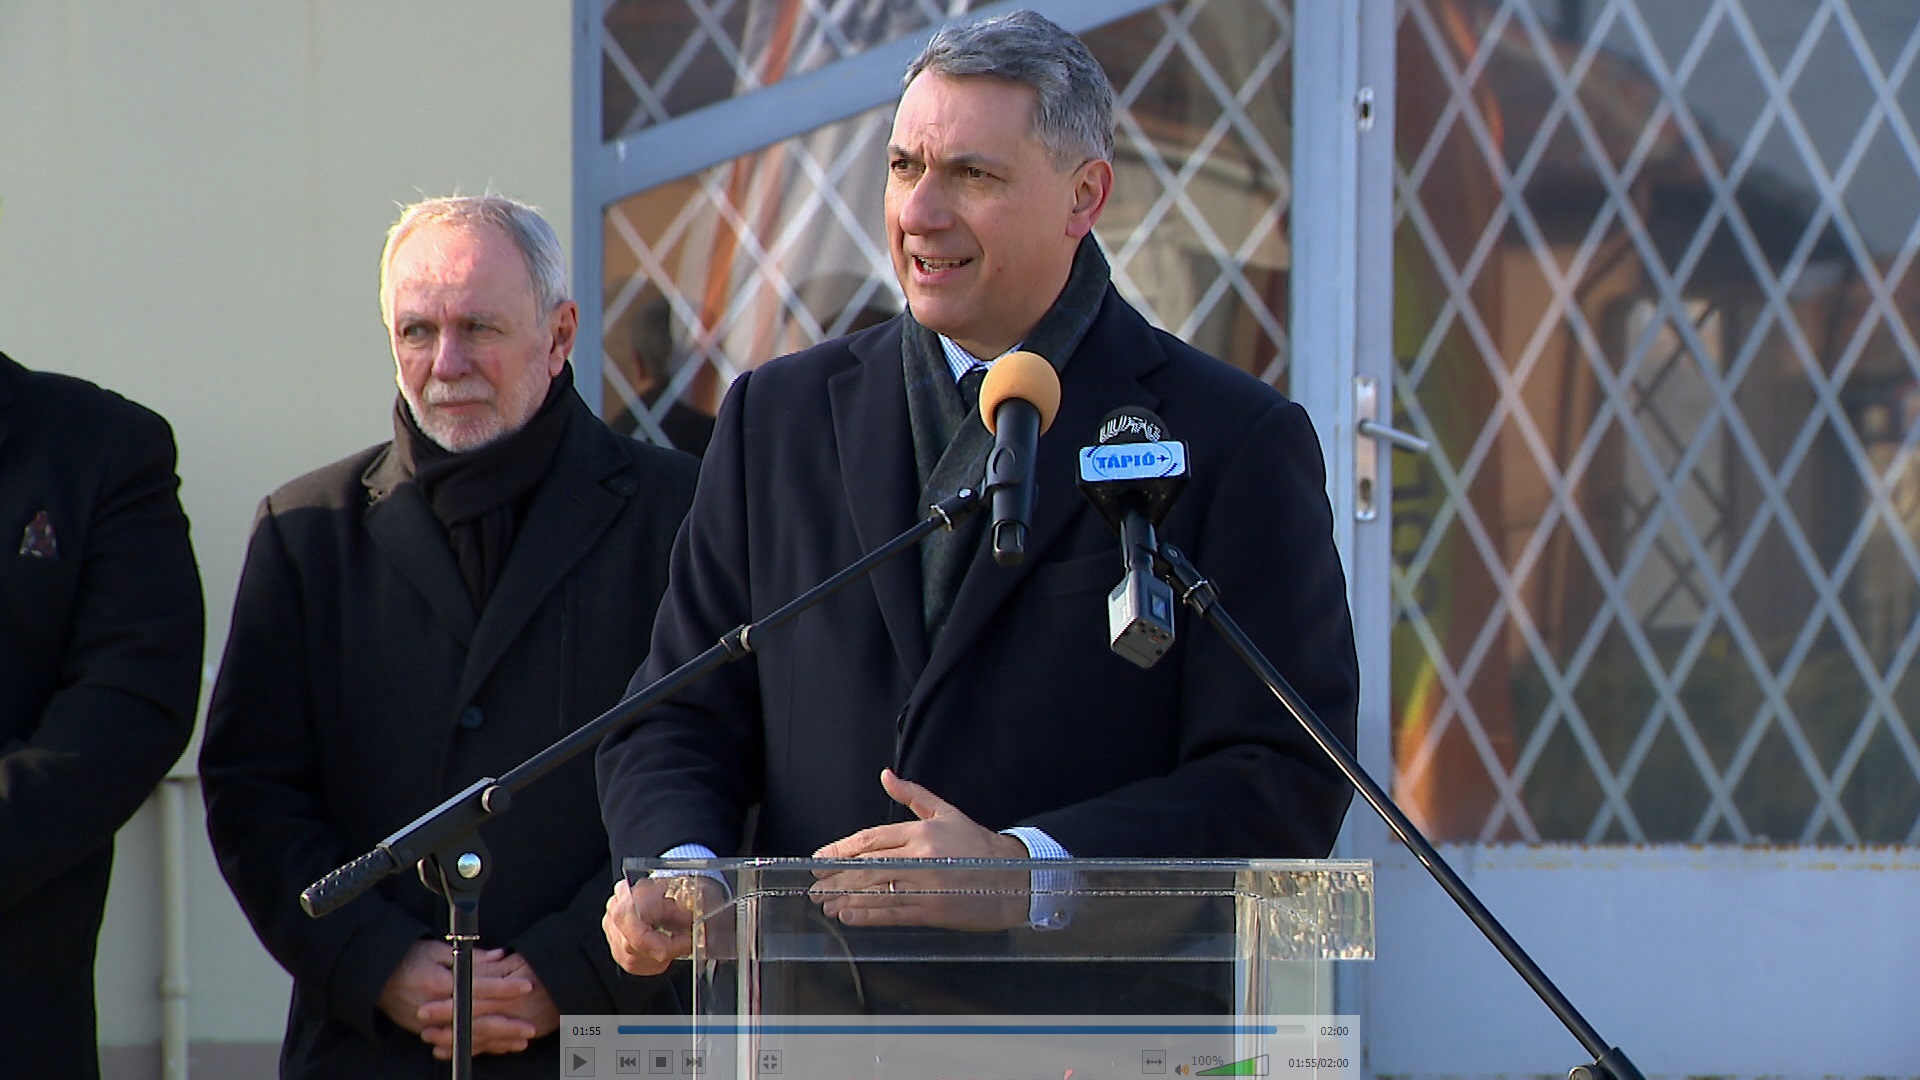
x: 891, y: 887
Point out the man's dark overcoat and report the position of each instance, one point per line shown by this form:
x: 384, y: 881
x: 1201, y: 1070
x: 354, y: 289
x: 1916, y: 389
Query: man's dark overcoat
x: 100, y: 645
x: 360, y: 688
x: 1019, y: 714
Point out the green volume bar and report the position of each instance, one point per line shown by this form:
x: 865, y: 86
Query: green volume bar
x: 1253, y: 1066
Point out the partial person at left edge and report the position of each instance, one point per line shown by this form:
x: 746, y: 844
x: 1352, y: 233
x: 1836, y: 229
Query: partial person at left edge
x: 426, y: 612
x: 101, y: 632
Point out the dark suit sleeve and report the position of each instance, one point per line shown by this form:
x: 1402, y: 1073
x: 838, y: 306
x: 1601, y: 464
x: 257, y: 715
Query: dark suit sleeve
x: 686, y: 772
x: 259, y: 769
x: 1249, y: 781
x: 129, y: 676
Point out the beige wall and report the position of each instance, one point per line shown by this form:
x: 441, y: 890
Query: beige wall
x: 192, y: 200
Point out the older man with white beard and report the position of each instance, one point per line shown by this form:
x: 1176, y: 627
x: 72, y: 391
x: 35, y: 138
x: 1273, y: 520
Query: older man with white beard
x: 426, y: 612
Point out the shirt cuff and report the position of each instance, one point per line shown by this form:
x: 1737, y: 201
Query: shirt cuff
x: 692, y: 851
x: 1047, y: 909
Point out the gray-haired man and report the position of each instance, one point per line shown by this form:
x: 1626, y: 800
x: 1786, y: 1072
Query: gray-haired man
x: 426, y: 612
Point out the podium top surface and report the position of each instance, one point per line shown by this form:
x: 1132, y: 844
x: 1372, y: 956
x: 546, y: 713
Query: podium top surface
x: 1276, y: 909
x: 1117, y: 866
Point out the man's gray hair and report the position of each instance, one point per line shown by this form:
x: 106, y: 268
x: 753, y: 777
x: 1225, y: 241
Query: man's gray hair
x: 546, y: 264
x: 1073, y: 107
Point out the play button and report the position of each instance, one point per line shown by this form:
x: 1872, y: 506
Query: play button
x: 578, y: 1060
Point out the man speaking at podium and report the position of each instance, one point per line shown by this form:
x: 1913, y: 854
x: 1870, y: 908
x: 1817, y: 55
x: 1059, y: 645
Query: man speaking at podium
x: 950, y: 706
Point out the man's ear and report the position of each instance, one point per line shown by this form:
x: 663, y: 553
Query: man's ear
x: 564, y: 325
x: 1092, y: 183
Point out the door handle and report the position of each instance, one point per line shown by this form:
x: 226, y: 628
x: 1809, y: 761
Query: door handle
x: 1373, y: 429
x: 1369, y: 433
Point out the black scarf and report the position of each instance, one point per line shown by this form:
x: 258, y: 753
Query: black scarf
x: 480, y: 495
x: 950, y: 444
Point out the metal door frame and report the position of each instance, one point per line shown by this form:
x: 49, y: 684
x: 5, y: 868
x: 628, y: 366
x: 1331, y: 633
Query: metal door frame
x: 1342, y: 224
x: 1343, y: 310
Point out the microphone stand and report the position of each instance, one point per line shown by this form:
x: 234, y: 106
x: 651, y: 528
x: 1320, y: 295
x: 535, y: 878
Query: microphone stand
x: 444, y: 843
x: 1609, y: 1062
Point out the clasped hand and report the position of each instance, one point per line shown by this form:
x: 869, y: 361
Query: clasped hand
x: 511, y: 1007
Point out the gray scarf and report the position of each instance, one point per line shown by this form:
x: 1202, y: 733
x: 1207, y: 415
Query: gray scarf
x: 950, y: 444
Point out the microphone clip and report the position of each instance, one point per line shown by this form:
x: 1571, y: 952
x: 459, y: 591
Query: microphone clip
x: 1140, y: 609
x: 1133, y: 478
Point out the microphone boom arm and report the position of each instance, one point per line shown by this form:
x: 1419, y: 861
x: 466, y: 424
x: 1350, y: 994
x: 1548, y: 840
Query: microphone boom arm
x: 444, y: 842
x: 1200, y: 594
x: 485, y: 798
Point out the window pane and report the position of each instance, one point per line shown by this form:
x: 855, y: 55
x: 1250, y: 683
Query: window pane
x: 1197, y: 225
x: 769, y: 253
x: 667, y: 58
x: 1658, y: 580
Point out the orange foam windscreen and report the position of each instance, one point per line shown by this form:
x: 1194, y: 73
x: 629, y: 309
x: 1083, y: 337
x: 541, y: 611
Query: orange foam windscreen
x: 1022, y: 375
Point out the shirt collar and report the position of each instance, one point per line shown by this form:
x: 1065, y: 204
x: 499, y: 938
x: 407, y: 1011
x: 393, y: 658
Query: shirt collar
x: 960, y: 361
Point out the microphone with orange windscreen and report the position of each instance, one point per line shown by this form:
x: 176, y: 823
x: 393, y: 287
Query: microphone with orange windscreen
x: 1018, y: 401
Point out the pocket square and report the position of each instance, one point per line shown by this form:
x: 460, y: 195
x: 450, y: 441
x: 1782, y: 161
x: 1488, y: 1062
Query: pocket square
x: 39, y: 540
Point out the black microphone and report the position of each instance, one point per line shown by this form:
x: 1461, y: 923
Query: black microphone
x: 1132, y: 477
x: 1018, y: 400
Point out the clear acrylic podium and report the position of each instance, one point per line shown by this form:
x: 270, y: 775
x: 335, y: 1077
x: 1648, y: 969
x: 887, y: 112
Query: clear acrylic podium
x: 1038, y: 969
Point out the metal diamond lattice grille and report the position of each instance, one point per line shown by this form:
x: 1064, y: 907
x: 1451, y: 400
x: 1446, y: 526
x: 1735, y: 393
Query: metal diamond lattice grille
x: 666, y: 58
x: 779, y: 249
x: 1196, y: 227
x: 1657, y: 582
x: 762, y: 256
